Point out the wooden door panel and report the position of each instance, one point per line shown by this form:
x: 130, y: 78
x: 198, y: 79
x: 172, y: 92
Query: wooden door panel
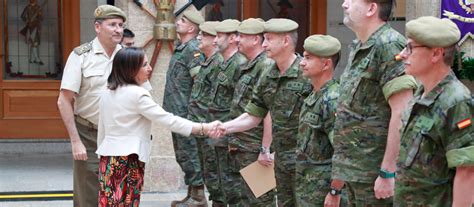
x: 27, y: 106
x: 32, y: 128
x: 30, y: 104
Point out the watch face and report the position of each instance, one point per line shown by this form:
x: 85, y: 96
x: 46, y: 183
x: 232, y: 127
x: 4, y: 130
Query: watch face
x: 333, y: 192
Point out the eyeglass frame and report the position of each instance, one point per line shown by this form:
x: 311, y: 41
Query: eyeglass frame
x: 409, y: 48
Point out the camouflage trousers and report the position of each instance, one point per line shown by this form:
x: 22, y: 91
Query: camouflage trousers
x: 239, y: 194
x: 362, y: 194
x: 313, y: 184
x: 285, y: 178
x: 210, y: 170
x: 186, y: 152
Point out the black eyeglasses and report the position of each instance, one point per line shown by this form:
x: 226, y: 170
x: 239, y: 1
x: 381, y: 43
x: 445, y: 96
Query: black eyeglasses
x: 409, y: 48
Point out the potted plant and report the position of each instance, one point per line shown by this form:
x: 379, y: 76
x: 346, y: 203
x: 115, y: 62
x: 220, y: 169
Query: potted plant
x: 463, y: 67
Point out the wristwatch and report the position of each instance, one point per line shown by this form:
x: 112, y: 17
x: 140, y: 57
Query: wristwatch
x: 264, y: 150
x: 386, y: 174
x: 335, y: 192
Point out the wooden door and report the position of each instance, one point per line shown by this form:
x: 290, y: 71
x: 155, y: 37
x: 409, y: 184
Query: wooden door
x: 29, y: 79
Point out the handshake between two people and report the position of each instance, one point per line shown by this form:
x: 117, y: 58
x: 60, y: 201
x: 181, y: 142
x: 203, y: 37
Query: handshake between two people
x: 213, y: 129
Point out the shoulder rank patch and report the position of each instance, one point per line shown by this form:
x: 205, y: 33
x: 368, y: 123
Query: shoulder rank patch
x: 464, y: 123
x: 86, y: 47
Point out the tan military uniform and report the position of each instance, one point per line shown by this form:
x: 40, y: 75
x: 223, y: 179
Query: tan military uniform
x: 86, y: 73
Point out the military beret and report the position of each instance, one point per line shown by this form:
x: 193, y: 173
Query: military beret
x: 280, y: 25
x: 228, y: 26
x: 322, y: 45
x: 433, y: 32
x: 108, y: 12
x: 209, y: 27
x: 193, y: 16
x: 251, y: 26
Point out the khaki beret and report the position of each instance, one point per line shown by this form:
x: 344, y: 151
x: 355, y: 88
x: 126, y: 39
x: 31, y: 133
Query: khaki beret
x: 108, y: 12
x: 251, y: 26
x: 193, y: 16
x: 209, y: 27
x: 433, y: 32
x: 280, y: 25
x: 322, y: 45
x: 228, y: 26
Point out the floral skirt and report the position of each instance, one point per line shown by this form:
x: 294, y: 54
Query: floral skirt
x: 120, y: 180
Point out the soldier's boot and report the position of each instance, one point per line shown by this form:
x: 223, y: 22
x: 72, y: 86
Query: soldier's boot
x: 176, y: 202
x: 197, y: 198
x: 218, y: 204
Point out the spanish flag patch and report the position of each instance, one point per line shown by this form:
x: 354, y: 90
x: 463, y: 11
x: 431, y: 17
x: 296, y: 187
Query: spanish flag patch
x: 398, y: 57
x: 197, y: 54
x: 464, y: 123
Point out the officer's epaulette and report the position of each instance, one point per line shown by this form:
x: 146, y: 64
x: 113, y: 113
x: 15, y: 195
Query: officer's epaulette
x: 86, y: 47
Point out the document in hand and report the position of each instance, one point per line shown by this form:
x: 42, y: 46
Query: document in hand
x: 259, y: 178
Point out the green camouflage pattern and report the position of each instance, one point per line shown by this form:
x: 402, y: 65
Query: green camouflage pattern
x: 426, y: 174
x: 198, y: 108
x: 223, y: 90
x: 176, y: 98
x: 246, y: 144
x: 282, y: 95
x: 363, y: 113
x: 200, y: 99
x: 250, y: 140
x: 314, y: 145
x: 362, y: 195
x: 210, y: 170
x: 240, y: 194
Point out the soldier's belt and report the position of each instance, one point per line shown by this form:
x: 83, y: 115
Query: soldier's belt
x: 85, y: 122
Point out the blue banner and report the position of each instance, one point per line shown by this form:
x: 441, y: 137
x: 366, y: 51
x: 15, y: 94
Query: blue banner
x: 460, y: 12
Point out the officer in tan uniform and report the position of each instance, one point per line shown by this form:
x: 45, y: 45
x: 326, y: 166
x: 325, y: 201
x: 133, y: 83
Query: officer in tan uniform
x: 85, y: 76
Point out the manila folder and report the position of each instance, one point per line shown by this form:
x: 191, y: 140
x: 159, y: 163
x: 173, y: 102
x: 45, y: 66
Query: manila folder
x: 259, y: 178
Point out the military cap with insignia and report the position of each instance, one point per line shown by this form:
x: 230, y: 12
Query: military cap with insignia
x: 322, y: 45
x: 109, y: 12
x: 209, y: 27
x: 433, y: 32
x: 228, y: 26
x: 193, y: 16
x: 280, y: 25
x: 251, y: 26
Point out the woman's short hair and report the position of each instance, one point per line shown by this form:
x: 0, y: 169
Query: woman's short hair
x: 126, y: 64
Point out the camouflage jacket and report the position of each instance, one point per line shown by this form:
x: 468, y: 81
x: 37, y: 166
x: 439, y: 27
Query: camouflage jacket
x: 433, y: 144
x: 178, y: 77
x: 223, y: 89
x: 315, y: 133
x: 363, y: 113
x: 250, y: 140
x: 282, y: 95
x: 199, y: 100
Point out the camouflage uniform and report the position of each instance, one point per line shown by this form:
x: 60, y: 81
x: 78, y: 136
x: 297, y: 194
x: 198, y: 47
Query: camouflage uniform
x: 314, y: 145
x: 246, y: 144
x: 176, y: 98
x: 432, y: 145
x: 198, y: 112
x: 221, y: 98
x: 283, y: 96
x: 363, y: 113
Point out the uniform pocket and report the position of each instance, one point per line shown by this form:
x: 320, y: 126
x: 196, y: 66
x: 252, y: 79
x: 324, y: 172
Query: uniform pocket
x: 93, y: 72
x: 421, y: 128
